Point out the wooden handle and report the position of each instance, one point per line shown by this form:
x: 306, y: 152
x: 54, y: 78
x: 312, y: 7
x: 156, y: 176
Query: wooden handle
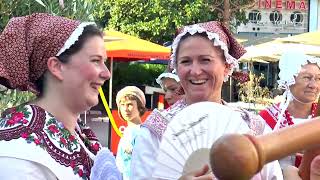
x: 239, y: 157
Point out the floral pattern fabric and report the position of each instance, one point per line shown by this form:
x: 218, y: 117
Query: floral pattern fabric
x: 42, y: 129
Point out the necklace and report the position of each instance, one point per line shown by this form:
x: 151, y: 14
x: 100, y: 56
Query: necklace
x: 289, y: 117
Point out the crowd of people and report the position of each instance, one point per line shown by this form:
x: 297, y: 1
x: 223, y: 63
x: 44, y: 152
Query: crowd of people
x: 63, y: 62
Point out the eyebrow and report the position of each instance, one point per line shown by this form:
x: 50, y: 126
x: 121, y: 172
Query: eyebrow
x: 307, y: 73
x: 98, y: 56
x: 202, y: 56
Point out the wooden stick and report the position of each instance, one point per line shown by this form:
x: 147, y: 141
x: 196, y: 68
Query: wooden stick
x: 239, y: 157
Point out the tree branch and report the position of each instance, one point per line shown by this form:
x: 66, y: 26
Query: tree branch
x: 238, y: 4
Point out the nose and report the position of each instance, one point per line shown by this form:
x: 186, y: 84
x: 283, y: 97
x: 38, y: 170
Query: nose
x: 195, y: 69
x: 168, y: 96
x: 105, y: 73
x: 127, y: 108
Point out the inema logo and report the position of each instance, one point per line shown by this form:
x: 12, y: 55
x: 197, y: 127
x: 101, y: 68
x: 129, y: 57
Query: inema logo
x: 282, y: 4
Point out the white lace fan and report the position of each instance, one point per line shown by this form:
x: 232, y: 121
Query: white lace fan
x: 188, y: 138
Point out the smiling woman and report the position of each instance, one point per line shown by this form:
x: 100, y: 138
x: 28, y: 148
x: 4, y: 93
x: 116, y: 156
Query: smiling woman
x: 62, y: 61
x: 203, y: 55
x: 300, y: 78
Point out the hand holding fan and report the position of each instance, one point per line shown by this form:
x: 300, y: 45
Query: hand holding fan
x: 186, y: 143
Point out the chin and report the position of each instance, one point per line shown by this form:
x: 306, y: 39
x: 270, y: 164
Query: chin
x: 93, y: 102
x: 198, y: 99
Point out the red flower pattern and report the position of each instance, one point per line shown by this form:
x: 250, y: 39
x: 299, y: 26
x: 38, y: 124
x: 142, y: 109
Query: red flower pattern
x: 24, y: 135
x: 242, y: 77
x: 80, y: 172
x: 25, y: 121
x: 95, y: 147
x: 10, y: 122
x: 17, y: 117
x: 71, y: 138
x: 72, y: 164
x: 53, y: 128
x: 63, y: 140
x: 37, y: 141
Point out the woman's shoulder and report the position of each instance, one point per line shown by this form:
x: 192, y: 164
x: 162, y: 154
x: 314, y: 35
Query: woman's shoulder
x: 35, y: 129
x: 157, y: 121
x: 17, y: 120
x: 253, y: 120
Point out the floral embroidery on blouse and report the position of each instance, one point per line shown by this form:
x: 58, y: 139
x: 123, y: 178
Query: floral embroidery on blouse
x: 37, y: 126
x: 57, y: 132
x: 18, y: 116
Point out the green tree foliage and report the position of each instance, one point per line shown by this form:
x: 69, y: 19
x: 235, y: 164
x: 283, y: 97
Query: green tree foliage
x: 158, y: 20
x: 10, y: 98
x: 136, y: 73
x: 154, y: 20
x: 73, y: 9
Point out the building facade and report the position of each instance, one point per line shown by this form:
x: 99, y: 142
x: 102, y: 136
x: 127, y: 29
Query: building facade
x: 277, y: 17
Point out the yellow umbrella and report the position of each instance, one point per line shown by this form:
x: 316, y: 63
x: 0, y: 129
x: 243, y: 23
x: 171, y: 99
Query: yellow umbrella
x: 309, y: 38
x: 272, y: 51
x: 133, y: 48
x: 262, y: 53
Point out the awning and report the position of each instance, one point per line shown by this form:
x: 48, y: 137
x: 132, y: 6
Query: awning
x: 133, y: 48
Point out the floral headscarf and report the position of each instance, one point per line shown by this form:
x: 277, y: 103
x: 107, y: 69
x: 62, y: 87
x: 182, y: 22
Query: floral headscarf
x: 219, y: 35
x: 26, y: 44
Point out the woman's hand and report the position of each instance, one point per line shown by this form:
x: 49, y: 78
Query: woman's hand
x: 315, y: 168
x: 291, y: 172
x: 200, y: 174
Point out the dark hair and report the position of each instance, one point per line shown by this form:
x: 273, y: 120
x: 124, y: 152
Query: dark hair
x: 88, y: 32
x: 203, y: 34
x: 141, y: 108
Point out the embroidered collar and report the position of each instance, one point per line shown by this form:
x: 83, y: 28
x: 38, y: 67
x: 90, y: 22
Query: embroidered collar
x: 41, y: 128
x: 288, y: 118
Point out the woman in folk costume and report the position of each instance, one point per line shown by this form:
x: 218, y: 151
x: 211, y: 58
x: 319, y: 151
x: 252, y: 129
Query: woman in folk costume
x: 204, y: 55
x: 131, y: 104
x: 62, y: 61
x: 170, y: 84
x: 300, y: 78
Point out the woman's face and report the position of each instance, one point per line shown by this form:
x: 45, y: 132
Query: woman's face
x: 201, y: 68
x: 306, y: 88
x: 170, y: 87
x: 85, y: 73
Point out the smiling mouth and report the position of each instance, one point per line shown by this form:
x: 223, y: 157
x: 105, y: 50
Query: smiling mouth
x: 197, y: 82
x: 96, y: 86
x: 311, y: 93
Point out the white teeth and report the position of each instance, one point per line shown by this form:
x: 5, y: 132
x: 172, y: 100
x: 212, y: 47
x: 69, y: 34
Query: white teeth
x: 198, y: 81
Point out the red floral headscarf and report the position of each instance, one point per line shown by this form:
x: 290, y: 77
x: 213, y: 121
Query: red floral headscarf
x: 26, y: 44
x: 219, y: 35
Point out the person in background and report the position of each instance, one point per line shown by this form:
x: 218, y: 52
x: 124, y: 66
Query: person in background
x: 170, y: 83
x: 300, y: 78
x: 203, y: 55
x: 63, y: 62
x: 131, y: 104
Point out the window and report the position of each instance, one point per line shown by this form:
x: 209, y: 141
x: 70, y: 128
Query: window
x: 296, y: 17
x: 254, y: 16
x: 275, y: 17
